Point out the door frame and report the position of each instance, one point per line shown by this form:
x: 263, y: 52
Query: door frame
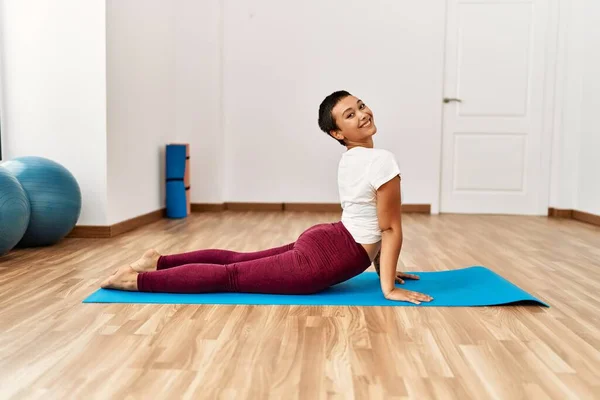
x: 552, y: 107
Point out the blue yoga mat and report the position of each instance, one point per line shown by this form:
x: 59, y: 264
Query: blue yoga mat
x: 468, y: 287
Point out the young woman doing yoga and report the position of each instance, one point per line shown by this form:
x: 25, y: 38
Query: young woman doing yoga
x: 370, y: 231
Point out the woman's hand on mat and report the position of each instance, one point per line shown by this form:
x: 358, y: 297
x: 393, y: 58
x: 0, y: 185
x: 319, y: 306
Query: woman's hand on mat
x: 401, y: 276
x: 406, y: 295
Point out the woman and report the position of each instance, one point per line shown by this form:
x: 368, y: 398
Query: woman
x: 370, y: 231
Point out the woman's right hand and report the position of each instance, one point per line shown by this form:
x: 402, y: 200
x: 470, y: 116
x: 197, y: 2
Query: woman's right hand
x: 398, y: 294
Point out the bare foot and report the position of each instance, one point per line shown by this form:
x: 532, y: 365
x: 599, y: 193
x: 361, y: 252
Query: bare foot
x: 147, y: 262
x: 124, y: 279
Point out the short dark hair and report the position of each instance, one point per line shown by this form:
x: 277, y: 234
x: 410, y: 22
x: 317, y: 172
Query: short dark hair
x: 326, y: 119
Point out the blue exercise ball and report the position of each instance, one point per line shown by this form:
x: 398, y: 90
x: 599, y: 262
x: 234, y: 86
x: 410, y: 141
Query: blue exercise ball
x: 54, y: 197
x: 14, y: 211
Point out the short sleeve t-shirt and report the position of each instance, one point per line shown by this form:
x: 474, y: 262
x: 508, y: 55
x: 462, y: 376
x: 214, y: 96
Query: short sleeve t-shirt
x: 361, y: 172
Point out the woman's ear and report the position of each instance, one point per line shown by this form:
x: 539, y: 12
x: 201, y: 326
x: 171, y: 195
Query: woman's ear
x: 337, y: 135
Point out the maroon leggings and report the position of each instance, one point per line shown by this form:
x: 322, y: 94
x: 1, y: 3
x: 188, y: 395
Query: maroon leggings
x: 322, y: 256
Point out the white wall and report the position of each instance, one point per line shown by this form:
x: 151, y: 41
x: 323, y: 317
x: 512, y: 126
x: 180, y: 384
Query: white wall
x: 589, y: 162
x: 103, y: 88
x: 576, y: 169
x: 53, y: 90
x: 282, y: 58
x: 249, y: 78
x: 121, y: 79
x: 164, y: 86
x: 140, y: 39
x: 199, y: 112
x: 566, y: 131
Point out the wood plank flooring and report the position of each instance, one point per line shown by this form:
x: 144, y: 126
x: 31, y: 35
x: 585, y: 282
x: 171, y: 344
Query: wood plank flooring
x: 53, y: 347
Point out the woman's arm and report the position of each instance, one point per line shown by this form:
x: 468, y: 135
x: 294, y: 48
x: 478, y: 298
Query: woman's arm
x: 377, y: 262
x: 400, y: 276
x: 389, y: 214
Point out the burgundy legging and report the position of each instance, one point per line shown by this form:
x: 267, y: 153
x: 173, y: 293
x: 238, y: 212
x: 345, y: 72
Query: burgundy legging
x: 322, y: 256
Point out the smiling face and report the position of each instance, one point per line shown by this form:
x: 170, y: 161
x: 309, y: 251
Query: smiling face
x: 354, y: 120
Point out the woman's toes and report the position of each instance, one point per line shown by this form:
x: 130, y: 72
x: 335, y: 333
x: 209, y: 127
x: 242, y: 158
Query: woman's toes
x: 124, y: 279
x: 106, y: 284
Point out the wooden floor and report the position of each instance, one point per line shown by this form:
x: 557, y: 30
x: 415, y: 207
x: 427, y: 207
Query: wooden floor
x: 52, y: 346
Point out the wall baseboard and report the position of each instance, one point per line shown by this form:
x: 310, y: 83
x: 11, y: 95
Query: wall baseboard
x: 253, y: 206
x: 312, y: 207
x: 416, y: 208
x: 586, y: 217
x: 103, y: 232
x: 302, y: 207
x: 560, y: 213
x: 137, y: 222
x: 574, y: 214
x: 201, y: 207
x: 90, y: 232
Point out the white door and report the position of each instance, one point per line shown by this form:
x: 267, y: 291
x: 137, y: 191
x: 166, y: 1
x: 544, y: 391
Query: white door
x: 492, y: 134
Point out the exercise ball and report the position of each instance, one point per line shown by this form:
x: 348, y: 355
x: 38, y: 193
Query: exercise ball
x: 14, y: 211
x: 54, y: 198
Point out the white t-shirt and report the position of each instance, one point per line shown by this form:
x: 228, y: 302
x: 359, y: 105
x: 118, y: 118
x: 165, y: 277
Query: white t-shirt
x: 361, y: 172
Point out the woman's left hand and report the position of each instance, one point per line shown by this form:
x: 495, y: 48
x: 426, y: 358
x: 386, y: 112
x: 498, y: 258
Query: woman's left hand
x: 401, y: 276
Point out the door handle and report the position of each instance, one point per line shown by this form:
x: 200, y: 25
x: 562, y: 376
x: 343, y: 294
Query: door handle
x: 448, y: 100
